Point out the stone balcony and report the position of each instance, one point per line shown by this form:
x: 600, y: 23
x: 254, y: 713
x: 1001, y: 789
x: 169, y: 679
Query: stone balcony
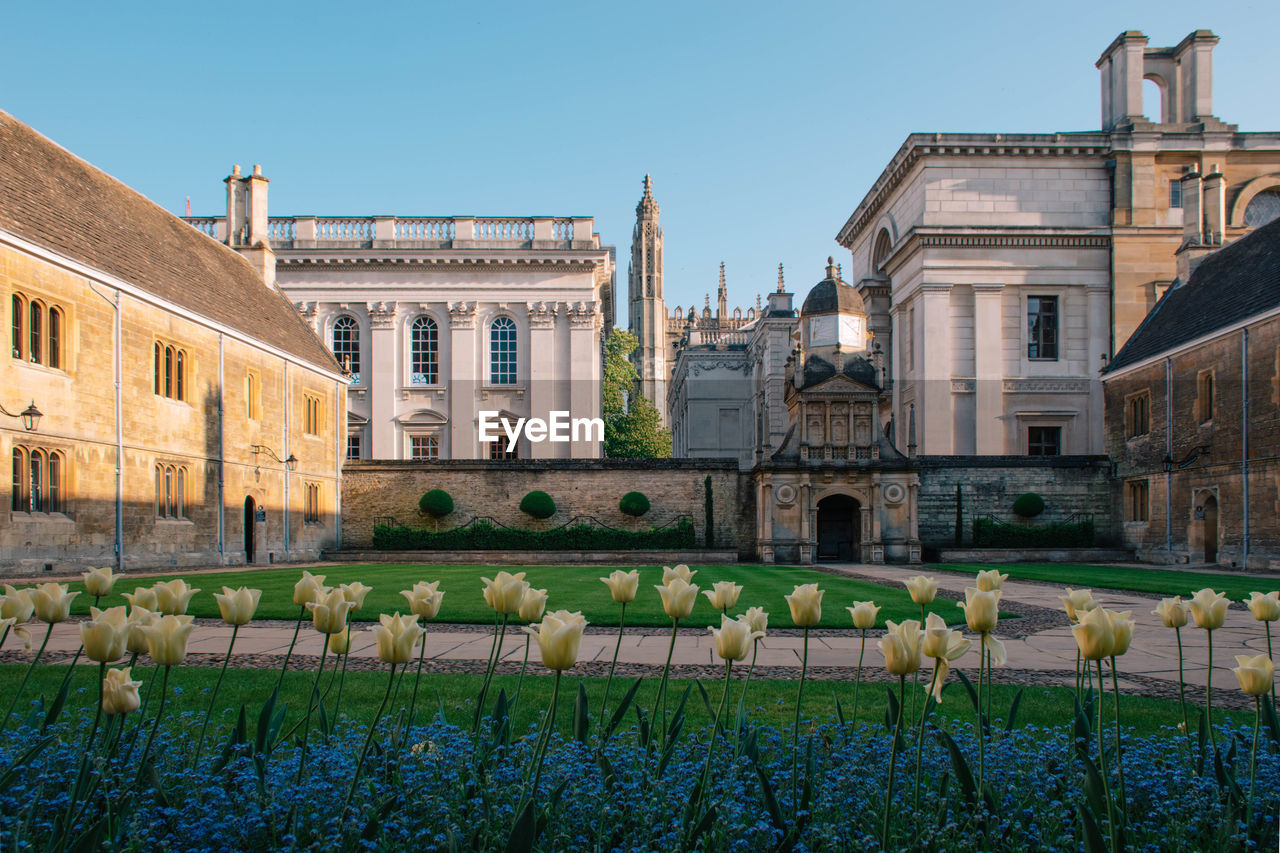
x: 417, y: 232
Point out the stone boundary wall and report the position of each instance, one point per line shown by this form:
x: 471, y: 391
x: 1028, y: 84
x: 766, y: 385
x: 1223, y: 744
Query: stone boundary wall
x: 538, y: 558
x: 376, y: 488
x: 989, y: 485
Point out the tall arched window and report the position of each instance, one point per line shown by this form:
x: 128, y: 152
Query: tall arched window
x: 37, y: 482
x: 54, y: 355
x: 159, y: 371
x: 53, y: 489
x: 19, y: 494
x: 19, y: 309
x: 168, y: 371
x: 346, y: 345
x: 180, y: 391
x: 502, y: 352
x: 36, y: 326
x: 880, y: 251
x: 424, y: 351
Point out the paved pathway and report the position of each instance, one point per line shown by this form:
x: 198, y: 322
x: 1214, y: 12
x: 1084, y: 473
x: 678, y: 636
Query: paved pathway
x: 1046, y: 655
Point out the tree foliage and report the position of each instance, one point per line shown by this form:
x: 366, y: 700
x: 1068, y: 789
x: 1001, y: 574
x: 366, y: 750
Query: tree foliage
x: 632, y: 425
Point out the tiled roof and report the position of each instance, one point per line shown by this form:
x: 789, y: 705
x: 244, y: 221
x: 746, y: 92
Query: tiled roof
x: 56, y: 200
x: 1236, y: 282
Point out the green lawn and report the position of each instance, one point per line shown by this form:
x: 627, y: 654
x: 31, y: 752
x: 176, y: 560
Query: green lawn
x: 571, y: 588
x: 1162, y: 581
x: 770, y: 702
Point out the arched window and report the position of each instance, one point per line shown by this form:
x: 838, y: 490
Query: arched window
x: 180, y: 391
x: 35, y: 327
x: 502, y: 352
x: 54, y: 355
x: 19, y: 309
x: 880, y: 252
x: 180, y: 493
x: 19, y: 494
x: 424, y: 351
x: 346, y: 345
x: 159, y: 370
x: 36, y: 488
x: 53, y: 489
x: 1263, y: 208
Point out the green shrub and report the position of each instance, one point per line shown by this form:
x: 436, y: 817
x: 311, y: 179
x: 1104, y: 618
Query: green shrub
x: 436, y: 503
x: 1028, y: 505
x: 538, y: 504
x: 482, y: 535
x: 634, y: 504
x: 988, y: 533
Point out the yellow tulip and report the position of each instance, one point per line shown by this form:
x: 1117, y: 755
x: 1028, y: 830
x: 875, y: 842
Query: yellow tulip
x: 172, y: 597
x: 308, y: 588
x: 923, y: 590
x: 340, y: 643
x: 864, y: 614
x: 533, y: 604
x: 757, y: 619
x: 981, y: 609
x: 623, y: 586
x: 805, y: 602
x: 355, y: 592
x: 1077, y: 602
x: 19, y: 631
x: 16, y: 604
x: 1172, y: 612
x: 723, y: 595
x: 105, y: 636
x: 990, y: 579
x: 1121, y: 631
x: 1265, y: 608
x: 943, y: 645
x: 678, y: 597
x: 559, y: 637
x: 1209, y: 609
x: 681, y: 571
x: 119, y: 694
x: 901, y: 647
x: 139, y: 619
x: 397, y: 636
x: 52, y: 602
x: 144, y: 598
x: 98, y: 582
x: 424, y: 599
x: 237, y: 606
x: 1094, y: 634
x: 1255, y: 674
x: 505, y: 592
x: 167, y: 639
x: 734, y: 638
x: 329, y: 614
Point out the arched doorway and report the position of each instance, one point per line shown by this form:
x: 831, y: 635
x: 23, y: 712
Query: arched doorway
x: 249, y: 512
x: 1210, y: 512
x: 839, y: 527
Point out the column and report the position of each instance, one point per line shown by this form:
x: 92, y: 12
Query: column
x: 806, y: 526
x: 584, y: 373
x: 934, y: 421
x: 465, y: 364
x: 542, y: 373
x: 988, y: 370
x: 382, y: 381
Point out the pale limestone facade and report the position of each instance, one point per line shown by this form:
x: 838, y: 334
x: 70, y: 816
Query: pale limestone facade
x: 1001, y: 271
x: 441, y: 318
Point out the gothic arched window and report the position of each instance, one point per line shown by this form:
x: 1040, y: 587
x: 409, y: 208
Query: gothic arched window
x: 424, y: 351
x: 1263, y: 208
x: 502, y: 352
x: 346, y: 345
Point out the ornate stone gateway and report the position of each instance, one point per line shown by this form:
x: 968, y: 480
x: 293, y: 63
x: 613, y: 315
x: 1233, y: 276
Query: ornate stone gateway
x: 839, y: 528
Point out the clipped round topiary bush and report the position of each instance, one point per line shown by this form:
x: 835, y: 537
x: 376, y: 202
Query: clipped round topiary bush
x: 634, y: 504
x: 1028, y: 505
x: 538, y: 504
x: 436, y: 503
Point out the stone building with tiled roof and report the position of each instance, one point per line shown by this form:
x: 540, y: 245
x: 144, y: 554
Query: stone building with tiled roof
x: 188, y: 414
x: 1193, y: 411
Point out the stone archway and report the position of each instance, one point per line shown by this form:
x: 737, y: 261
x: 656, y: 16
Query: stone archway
x: 839, y: 528
x: 1202, y: 536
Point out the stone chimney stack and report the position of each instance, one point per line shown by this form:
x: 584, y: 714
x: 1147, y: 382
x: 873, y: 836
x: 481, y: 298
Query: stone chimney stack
x: 247, y: 221
x: 1192, y: 208
x: 256, y: 206
x: 1215, y: 206
x: 237, y: 232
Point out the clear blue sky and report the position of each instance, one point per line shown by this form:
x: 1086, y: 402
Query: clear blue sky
x: 763, y: 124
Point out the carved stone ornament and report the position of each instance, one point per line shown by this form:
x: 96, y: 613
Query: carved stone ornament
x: 382, y: 315
x: 462, y: 315
x: 786, y: 494
x: 542, y: 315
x: 894, y: 493
x: 582, y: 315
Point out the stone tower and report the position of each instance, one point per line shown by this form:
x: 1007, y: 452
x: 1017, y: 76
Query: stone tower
x: 648, y: 317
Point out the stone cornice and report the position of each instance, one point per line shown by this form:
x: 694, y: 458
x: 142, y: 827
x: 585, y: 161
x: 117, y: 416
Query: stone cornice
x: 470, y: 264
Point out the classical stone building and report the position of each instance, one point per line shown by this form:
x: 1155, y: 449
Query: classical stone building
x: 189, y: 417
x: 1193, y: 405
x: 438, y: 319
x: 1002, y: 270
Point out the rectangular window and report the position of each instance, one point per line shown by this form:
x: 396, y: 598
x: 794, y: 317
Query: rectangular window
x: 311, y: 416
x: 353, y: 446
x: 423, y: 448
x: 1175, y: 193
x: 1042, y: 328
x: 1137, y: 500
x: 498, y: 450
x: 1137, y: 415
x: 1204, y: 396
x: 1044, y: 441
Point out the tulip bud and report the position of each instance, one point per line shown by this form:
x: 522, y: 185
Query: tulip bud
x: 1077, y: 602
x: 139, y: 620
x: 52, y: 602
x: 143, y: 598
x: 329, y: 614
x: 172, y: 597
x: 864, y: 614
x: 623, y: 586
x: 106, y: 635
x: 237, y: 606
x: 119, y: 694
x: 1265, y: 608
x: 734, y: 637
x: 397, y: 636
x: 533, y: 604
x: 167, y: 639
x: 681, y: 571
x: 901, y: 647
x: 424, y: 599
x: 340, y: 643
x: 923, y: 590
x: 307, y: 588
x: 505, y: 592
x: 1172, y: 612
x: 757, y: 618
x: 678, y: 597
x: 990, y: 579
x: 98, y: 582
x: 1121, y: 632
x: 723, y: 595
x: 355, y: 593
x: 559, y: 637
x: 981, y: 609
x: 805, y: 602
x: 16, y: 604
x: 1094, y: 634
x: 1209, y: 609
x: 1255, y: 674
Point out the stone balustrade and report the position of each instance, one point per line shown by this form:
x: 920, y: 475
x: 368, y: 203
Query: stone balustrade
x: 417, y: 232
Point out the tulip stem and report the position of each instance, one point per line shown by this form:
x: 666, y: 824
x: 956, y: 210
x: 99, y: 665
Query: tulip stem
x: 1115, y: 689
x: 14, y: 703
x: 857, y: 681
x: 715, y: 727
x: 417, y: 677
x: 1106, y: 777
x: 342, y: 678
x: 982, y: 731
x: 289, y: 654
x: 622, y: 620
x: 1272, y: 657
x: 1182, y: 685
x: 494, y: 653
x: 1208, y: 695
x: 368, y: 741
x: 1253, y: 765
x: 515, y: 700
x: 311, y: 703
x: 893, y: 762
x: 662, y: 685
x: 548, y: 725
x: 213, y: 696
x: 164, y: 694
x: 933, y: 680
x: 4, y: 636
x: 72, y: 813
x: 795, y: 729
x: 915, y: 677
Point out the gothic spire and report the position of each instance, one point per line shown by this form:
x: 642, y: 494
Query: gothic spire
x: 722, y: 296
x: 647, y: 207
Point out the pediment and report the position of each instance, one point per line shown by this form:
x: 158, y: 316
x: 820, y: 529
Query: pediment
x: 421, y: 417
x: 838, y: 384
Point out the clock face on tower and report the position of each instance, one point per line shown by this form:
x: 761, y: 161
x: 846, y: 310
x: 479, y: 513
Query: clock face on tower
x: 849, y: 331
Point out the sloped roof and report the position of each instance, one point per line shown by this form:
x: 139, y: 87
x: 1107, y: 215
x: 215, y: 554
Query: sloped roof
x: 1235, y: 283
x: 857, y: 368
x: 56, y: 200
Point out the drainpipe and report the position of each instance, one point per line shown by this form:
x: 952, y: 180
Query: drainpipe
x: 1244, y: 433
x: 1168, y: 449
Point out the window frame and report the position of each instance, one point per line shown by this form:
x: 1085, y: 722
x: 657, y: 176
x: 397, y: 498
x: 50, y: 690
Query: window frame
x: 311, y: 503
x: 312, y: 414
x: 19, y: 501
x: 1137, y: 414
x: 1137, y: 501
x: 349, y: 326
x: 1038, y: 337
x: 424, y: 360
x: 171, y: 491
x: 358, y: 440
x: 504, y: 352
x: 1204, y: 396
x: 18, y: 326
x: 430, y: 441
x: 1038, y: 448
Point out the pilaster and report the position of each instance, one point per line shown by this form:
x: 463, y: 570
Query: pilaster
x: 381, y: 380
x: 988, y: 369
x: 464, y: 381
